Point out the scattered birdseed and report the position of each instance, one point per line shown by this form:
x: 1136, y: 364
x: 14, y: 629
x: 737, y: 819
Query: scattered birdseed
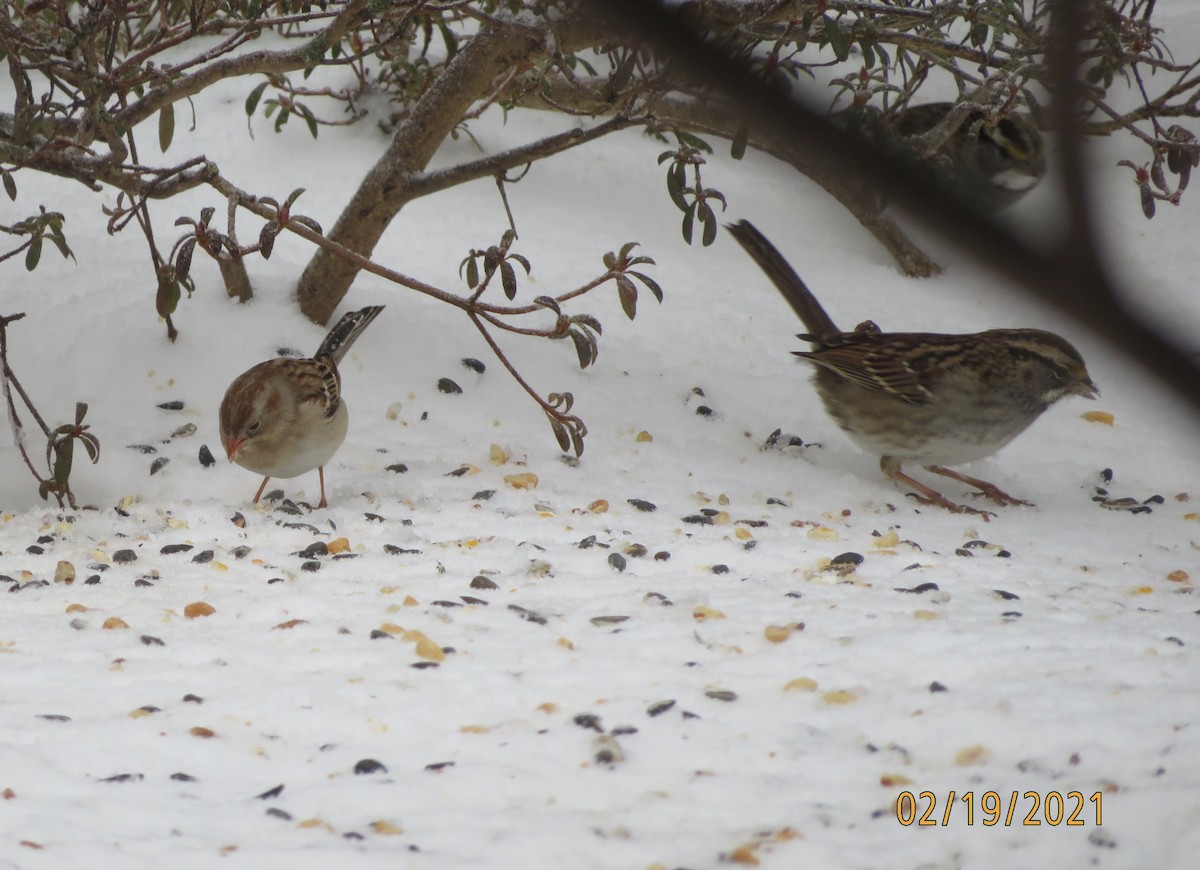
x: 589, y: 720
x: 1006, y: 596
x: 184, y: 431
x: 662, y: 556
x: 616, y: 561
x: 279, y: 814
x: 474, y: 365
x: 528, y: 615
x: 203, y: 557
x: 642, y: 505
x: 436, y: 766
x: 393, y: 550
x: 171, y: 549
x: 397, y: 468
x: 157, y: 465
x: 206, y: 458
x: 124, y: 557
x: 606, y: 750
x: 445, y: 385
x: 317, y: 548
x: 483, y: 495
x: 935, y: 686
x: 919, y: 589
x: 124, y: 777
x: 142, y: 448
x: 698, y: 520
x: 151, y: 640
x: 173, y: 405
x: 659, y: 707
x: 368, y: 765
x: 608, y: 620
x: 183, y: 777
x: 721, y: 695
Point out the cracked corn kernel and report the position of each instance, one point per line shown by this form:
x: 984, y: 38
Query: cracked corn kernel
x: 801, y: 684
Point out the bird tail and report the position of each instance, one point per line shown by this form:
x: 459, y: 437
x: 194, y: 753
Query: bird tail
x: 785, y: 279
x: 346, y: 331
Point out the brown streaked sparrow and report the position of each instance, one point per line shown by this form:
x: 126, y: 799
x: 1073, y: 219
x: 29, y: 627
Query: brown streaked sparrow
x: 922, y: 397
x: 1000, y: 162
x: 286, y: 416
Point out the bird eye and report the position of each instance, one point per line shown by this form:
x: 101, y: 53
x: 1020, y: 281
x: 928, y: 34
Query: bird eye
x: 253, y: 427
x: 1060, y: 373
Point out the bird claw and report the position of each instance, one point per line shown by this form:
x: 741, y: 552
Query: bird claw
x: 945, y: 504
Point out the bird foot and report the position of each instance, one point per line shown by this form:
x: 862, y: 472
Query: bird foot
x: 986, y: 490
x: 939, y: 500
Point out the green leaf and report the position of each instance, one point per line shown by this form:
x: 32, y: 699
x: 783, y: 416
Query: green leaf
x: 81, y: 409
x: 676, y: 181
x: 522, y: 261
x: 64, y: 454
x: 10, y: 184
x: 560, y: 433
x: 166, y: 126
x: 650, y: 283
x: 308, y: 117
x: 588, y: 321
x: 92, y: 445
x: 508, y: 279
x: 34, y: 253
x: 694, y: 141
x: 585, y: 347
x: 839, y: 39
x: 266, y: 238
x: 689, y: 218
x: 183, y: 262
x: 548, y: 302
x: 627, y: 292
x: 708, y: 221
x: 167, y: 297
x: 472, y: 273
x: 305, y: 221
x: 737, y: 149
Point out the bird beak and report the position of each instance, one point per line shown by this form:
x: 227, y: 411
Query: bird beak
x: 1087, y: 389
x: 233, y: 446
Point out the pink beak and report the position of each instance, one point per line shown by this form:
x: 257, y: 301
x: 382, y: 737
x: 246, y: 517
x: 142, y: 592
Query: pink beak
x: 233, y: 446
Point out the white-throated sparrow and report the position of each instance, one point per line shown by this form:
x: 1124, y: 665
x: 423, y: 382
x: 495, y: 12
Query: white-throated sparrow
x: 286, y: 416
x: 998, y: 162
x: 923, y: 397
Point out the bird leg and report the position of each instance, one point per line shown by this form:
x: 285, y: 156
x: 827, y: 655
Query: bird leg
x: 987, y: 490
x: 263, y: 486
x: 321, y: 474
x: 925, y: 494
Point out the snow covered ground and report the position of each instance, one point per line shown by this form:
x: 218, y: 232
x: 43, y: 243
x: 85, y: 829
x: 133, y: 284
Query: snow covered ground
x: 560, y: 677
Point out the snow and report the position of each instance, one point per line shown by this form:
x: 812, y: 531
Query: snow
x: 1081, y: 678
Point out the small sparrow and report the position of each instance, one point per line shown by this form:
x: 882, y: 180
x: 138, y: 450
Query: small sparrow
x: 925, y: 397
x: 997, y: 162
x: 286, y: 416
